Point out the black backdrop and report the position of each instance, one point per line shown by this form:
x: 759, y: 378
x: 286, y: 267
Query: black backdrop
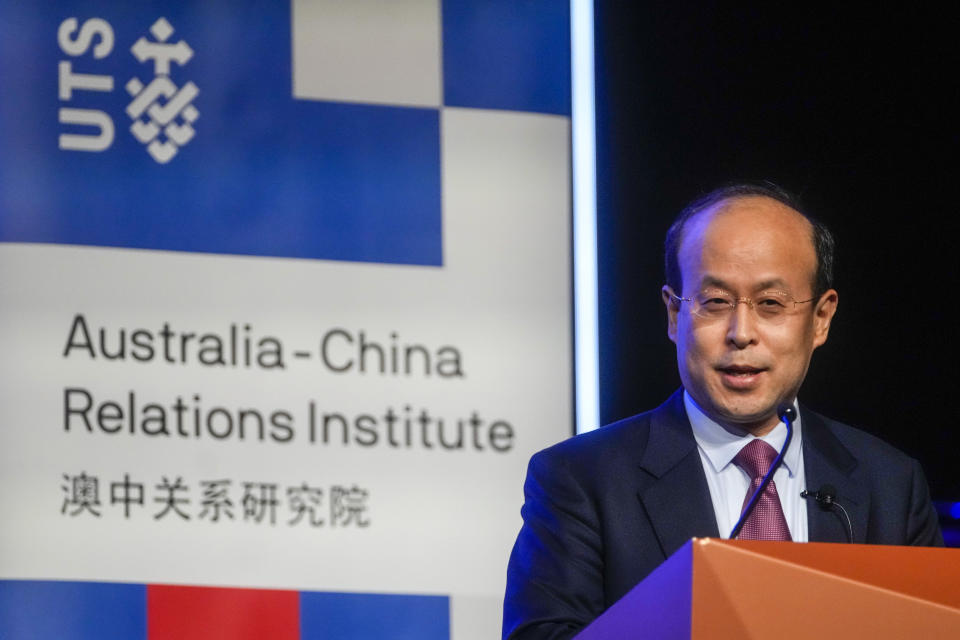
x: 852, y: 108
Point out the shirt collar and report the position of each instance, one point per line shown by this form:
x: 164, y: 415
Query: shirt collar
x: 721, y: 446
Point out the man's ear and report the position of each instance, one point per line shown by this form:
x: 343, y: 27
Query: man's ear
x: 822, y: 317
x: 673, y: 307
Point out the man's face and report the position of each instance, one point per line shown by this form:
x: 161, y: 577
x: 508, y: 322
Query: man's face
x: 740, y: 366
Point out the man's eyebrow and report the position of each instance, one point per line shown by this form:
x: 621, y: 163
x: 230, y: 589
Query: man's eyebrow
x: 711, y: 281
x: 714, y: 282
x: 772, y: 284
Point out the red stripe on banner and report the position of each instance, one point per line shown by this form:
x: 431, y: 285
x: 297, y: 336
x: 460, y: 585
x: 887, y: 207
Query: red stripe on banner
x: 208, y: 613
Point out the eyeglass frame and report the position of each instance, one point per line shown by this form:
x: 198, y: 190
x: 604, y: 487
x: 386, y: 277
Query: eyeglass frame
x: 741, y: 299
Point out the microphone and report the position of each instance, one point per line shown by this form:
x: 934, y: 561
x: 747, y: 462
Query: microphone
x: 826, y: 497
x: 787, y: 415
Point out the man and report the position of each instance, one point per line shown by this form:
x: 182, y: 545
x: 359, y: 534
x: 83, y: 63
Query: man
x: 748, y: 299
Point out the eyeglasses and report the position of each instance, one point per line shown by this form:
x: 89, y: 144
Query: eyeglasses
x: 771, y: 306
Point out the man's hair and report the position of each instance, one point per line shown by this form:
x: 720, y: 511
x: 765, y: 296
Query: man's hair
x: 823, y: 242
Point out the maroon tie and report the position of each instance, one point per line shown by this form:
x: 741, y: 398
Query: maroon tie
x: 766, y: 521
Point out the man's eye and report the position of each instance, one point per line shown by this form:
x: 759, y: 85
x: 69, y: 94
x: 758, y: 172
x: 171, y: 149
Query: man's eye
x: 771, y: 305
x: 716, y: 304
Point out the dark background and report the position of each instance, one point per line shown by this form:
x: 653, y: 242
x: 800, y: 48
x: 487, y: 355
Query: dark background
x: 851, y: 108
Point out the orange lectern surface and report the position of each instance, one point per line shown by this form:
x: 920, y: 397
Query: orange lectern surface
x: 716, y: 589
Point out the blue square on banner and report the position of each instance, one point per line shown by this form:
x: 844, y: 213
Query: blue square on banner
x: 507, y: 54
x: 72, y: 610
x: 369, y: 616
x: 256, y: 172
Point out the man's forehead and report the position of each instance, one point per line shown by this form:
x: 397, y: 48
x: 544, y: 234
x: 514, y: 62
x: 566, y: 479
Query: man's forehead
x: 743, y: 219
x: 748, y: 230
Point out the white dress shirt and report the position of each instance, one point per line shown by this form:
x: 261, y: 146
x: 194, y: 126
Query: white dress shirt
x: 728, y: 483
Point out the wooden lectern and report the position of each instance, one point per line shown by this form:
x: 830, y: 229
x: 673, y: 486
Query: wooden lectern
x: 715, y: 589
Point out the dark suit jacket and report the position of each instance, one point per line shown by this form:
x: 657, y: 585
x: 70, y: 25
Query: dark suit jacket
x: 605, y: 508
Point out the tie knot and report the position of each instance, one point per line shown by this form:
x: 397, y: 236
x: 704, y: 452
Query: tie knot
x: 755, y: 458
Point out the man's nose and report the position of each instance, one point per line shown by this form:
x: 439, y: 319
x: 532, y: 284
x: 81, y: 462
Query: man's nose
x: 742, y: 327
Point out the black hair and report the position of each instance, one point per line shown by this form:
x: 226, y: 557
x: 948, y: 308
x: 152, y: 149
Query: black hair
x: 823, y: 242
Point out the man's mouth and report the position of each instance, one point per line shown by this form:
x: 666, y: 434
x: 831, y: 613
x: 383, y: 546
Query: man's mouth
x: 741, y: 377
x: 741, y: 370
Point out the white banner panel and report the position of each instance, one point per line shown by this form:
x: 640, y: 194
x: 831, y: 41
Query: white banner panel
x: 279, y: 329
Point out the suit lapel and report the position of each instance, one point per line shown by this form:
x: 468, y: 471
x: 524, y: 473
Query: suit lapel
x: 827, y: 461
x: 675, y: 494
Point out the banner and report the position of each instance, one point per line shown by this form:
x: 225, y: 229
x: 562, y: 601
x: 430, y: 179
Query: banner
x: 285, y: 309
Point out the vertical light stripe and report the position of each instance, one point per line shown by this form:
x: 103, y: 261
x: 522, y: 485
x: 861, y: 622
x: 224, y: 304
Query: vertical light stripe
x: 586, y: 356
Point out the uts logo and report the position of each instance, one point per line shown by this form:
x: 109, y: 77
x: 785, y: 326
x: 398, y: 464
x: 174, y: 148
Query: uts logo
x: 162, y: 113
x: 160, y: 129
